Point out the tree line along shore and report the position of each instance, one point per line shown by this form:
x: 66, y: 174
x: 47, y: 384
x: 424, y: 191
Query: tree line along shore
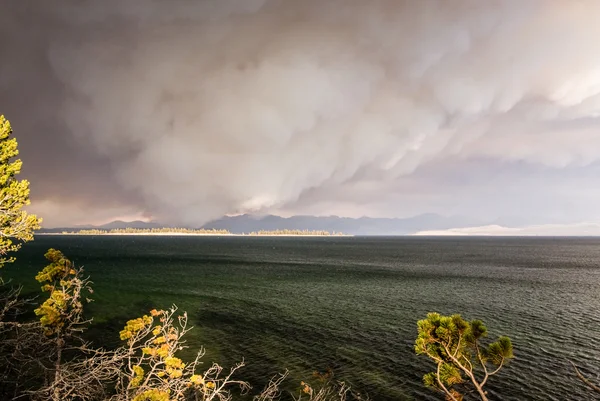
x: 190, y: 231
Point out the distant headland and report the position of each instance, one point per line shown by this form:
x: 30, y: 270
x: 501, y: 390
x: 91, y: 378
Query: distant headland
x: 294, y: 225
x: 201, y: 231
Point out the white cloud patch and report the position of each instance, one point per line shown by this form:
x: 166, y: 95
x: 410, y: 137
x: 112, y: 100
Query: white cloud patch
x: 553, y: 230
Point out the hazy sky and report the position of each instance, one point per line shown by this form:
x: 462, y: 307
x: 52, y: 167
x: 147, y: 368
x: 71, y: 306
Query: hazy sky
x: 183, y: 111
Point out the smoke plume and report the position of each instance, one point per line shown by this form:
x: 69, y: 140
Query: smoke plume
x: 204, y: 108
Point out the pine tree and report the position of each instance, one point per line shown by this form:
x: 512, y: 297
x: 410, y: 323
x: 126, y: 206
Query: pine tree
x: 16, y: 225
x: 454, y: 345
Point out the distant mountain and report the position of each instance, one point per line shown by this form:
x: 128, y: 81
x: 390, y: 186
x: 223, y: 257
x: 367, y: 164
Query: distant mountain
x: 359, y: 226
x: 107, y: 226
x: 130, y: 224
x: 346, y: 225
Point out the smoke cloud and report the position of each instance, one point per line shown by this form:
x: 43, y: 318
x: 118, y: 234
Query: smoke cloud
x: 202, y: 108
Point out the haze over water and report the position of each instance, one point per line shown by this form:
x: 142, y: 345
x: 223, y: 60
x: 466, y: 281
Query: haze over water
x: 352, y: 303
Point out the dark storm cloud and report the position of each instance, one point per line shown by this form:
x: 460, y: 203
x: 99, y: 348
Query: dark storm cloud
x: 187, y: 110
x: 69, y: 179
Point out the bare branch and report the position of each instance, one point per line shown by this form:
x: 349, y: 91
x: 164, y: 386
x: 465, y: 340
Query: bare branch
x: 584, y: 379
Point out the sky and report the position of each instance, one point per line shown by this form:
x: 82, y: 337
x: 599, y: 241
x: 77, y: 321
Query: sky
x: 185, y: 111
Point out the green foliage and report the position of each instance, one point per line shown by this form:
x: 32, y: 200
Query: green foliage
x: 60, y: 268
x: 454, y: 345
x: 16, y: 225
x: 64, y: 282
x: 153, y: 395
x: 152, y: 370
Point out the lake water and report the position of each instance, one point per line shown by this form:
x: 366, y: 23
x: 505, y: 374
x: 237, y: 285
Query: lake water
x: 351, y: 303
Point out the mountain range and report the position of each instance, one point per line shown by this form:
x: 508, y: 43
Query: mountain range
x: 354, y: 226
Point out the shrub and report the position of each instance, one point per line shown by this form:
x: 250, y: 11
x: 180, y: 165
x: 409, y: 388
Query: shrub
x: 454, y: 345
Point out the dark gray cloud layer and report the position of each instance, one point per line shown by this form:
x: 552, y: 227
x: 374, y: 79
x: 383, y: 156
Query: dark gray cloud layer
x: 187, y: 110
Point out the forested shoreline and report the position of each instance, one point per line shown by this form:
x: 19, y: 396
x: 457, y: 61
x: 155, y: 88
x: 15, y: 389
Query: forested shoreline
x: 192, y: 231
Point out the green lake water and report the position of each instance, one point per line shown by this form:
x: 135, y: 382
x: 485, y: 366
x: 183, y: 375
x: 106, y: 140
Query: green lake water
x: 351, y: 303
